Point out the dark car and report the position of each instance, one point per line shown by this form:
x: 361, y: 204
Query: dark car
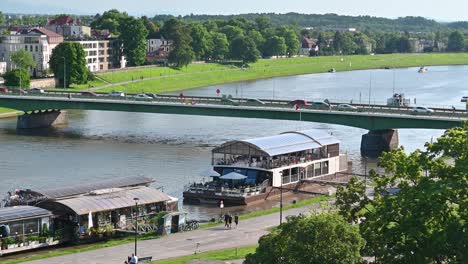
x: 152, y: 95
x: 91, y: 94
x: 299, y: 102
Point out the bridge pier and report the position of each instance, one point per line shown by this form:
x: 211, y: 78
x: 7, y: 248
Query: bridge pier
x: 42, y: 119
x: 377, y: 141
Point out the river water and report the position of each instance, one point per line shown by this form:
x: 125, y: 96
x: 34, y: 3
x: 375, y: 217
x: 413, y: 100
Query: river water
x: 174, y: 149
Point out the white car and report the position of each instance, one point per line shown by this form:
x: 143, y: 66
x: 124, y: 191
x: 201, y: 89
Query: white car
x: 36, y: 91
x: 421, y: 109
x: 143, y: 97
x: 117, y: 94
x: 346, y: 107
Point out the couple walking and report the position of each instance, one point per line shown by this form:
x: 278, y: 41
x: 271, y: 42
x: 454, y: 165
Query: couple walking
x: 228, y: 220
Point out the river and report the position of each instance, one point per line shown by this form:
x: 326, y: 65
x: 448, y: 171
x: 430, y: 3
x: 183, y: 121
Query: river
x: 174, y: 149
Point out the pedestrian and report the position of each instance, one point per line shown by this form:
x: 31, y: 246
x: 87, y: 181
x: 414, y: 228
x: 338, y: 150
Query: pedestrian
x: 230, y: 221
x: 453, y: 108
x: 134, y: 259
x: 236, y: 220
x: 69, y: 96
x: 226, y: 220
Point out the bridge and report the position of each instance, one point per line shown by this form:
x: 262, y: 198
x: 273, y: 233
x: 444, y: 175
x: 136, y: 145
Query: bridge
x: 381, y: 121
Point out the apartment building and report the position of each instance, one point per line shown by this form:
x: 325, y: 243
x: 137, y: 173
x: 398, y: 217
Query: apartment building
x: 101, y: 55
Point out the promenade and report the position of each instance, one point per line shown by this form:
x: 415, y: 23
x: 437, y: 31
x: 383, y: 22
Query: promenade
x: 182, y: 244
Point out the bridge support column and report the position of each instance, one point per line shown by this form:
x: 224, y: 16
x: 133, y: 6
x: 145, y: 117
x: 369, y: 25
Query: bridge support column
x: 42, y: 119
x: 377, y: 141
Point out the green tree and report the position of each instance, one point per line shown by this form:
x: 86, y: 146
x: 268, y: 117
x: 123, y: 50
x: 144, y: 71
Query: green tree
x: 351, y: 200
x: 133, y: 37
x: 275, y: 46
x: 2, y: 18
x: 258, y: 38
x: 152, y: 28
x: 110, y: 20
x: 232, y: 32
x: 315, y: 239
x: 220, y: 46
x: 17, y: 78
x: 425, y: 219
x: 456, y: 42
x: 244, y: 49
x: 291, y: 40
x: 181, y: 51
x: 343, y: 43
x: 71, y: 57
x: 23, y: 59
x: 201, y: 41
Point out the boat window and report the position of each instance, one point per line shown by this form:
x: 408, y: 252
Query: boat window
x: 310, y: 171
x: 325, y: 167
x: 16, y: 228
x: 251, y: 177
x: 31, y: 226
x: 317, y: 169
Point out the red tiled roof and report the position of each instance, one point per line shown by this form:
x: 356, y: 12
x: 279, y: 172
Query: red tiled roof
x: 62, y: 20
x: 48, y: 33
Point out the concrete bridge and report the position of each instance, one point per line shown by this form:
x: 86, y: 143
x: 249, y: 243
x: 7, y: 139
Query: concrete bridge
x: 382, y: 121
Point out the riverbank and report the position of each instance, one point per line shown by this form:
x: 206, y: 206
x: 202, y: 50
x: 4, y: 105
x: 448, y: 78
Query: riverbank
x: 163, y: 79
x: 255, y: 217
x: 8, y: 113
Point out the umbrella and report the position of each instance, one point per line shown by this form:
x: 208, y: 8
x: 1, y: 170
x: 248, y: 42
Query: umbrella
x: 233, y: 176
x: 209, y: 173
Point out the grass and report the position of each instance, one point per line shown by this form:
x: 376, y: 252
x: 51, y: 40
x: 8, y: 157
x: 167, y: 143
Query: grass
x: 200, y: 75
x: 306, y: 202
x: 6, y: 110
x: 221, y: 255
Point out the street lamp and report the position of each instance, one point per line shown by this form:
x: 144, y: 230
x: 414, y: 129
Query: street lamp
x: 281, y: 198
x: 136, y: 223
x: 64, y: 73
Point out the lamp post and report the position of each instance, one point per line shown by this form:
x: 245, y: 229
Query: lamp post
x: 136, y: 223
x: 64, y: 73
x: 281, y: 198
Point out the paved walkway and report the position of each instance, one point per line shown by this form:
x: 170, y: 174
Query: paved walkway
x: 182, y: 244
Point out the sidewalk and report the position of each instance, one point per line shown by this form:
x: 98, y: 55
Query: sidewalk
x: 182, y: 244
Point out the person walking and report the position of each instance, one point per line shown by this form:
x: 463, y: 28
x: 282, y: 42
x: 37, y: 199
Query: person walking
x: 226, y: 220
x: 230, y: 221
x: 236, y: 220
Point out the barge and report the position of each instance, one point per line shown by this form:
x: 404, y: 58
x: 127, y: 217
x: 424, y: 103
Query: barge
x: 245, y: 171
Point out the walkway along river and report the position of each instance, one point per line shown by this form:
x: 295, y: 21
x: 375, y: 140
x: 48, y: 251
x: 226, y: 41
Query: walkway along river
x: 174, y: 149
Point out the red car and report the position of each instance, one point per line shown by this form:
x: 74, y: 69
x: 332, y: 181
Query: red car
x: 4, y: 90
x: 299, y: 102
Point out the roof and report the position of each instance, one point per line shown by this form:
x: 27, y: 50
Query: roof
x: 120, y: 198
x: 88, y: 187
x: 14, y: 213
x: 308, y: 43
x: 284, y: 143
x: 47, y: 32
x: 61, y: 20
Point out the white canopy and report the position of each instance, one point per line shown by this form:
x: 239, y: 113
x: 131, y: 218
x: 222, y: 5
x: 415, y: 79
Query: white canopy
x: 233, y: 176
x: 210, y: 172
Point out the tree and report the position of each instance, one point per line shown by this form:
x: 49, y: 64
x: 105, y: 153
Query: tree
x: 220, y: 46
x: 232, y: 32
x: 152, y: 28
x: 321, y: 238
x: 71, y: 57
x: 291, y: 40
x: 110, y: 20
x: 351, y: 200
x: 2, y: 18
x: 23, y: 59
x: 456, y: 42
x: 17, y: 78
x: 343, y: 43
x: 201, y: 41
x: 257, y: 38
x: 181, y: 53
x: 275, y: 46
x: 423, y: 220
x: 133, y: 37
x: 244, y: 49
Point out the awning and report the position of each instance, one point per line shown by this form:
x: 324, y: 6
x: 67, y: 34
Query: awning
x: 233, y: 176
x: 122, y: 198
x: 209, y: 173
x: 15, y: 213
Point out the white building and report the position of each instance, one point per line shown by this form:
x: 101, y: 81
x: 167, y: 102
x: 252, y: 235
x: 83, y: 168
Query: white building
x: 101, y: 55
x: 39, y: 42
x: 3, y: 67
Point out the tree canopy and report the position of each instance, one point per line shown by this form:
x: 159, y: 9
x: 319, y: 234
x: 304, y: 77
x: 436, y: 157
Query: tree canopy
x: 17, y: 78
x: 456, y: 41
x: 315, y: 239
x: 243, y: 48
x: 23, y: 59
x: 71, y: 57
x: 420, y: 209
x: 110, y: 20
x: 133, y: 37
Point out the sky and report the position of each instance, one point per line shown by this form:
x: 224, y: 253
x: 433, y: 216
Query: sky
x: 448, y: 10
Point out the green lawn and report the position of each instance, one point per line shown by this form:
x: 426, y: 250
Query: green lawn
x: 200, y: 75
x: 221, y: 255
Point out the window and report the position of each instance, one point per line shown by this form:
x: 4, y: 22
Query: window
x: 101, y: 67
x: 317, y: 169
x: 16, y: 228
x: 325, y: 167
x: 36, y: 48
x: 26, y: 47
x: 294, y: 174
x: 31, y: 226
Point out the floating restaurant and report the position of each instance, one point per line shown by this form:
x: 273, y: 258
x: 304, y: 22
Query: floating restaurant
x: 250, y: 170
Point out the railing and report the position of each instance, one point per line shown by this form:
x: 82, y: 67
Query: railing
x: 224, y: 191
x: 269, y: 164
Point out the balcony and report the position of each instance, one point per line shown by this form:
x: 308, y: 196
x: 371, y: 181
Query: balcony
x: 277, y: 162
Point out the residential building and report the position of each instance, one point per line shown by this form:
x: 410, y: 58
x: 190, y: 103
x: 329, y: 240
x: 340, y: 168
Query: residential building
x: 309, y: 46
x: 157, y: 49
x: 67, y: 27
x: 3, y: 67
x: 101, y: 55
x: 39, y: 42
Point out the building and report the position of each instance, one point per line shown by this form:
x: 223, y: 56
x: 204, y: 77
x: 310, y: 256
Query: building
x: 3, y: 67
x: 38, y: 41
x: 157, y: 50
x: 67, y: 27
x: 309, y: 47
x: 101, y: 55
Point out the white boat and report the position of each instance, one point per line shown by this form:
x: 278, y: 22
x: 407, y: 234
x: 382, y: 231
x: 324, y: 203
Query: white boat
x: 398, y: 100
x: 254, y: 169
x: 422, y: 69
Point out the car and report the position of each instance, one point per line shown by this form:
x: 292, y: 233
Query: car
x: 117, y: 94
x: 143, y: 97
x: 299, y: 102
x: 319, y: 105
x: 91, y: 94
x: 252, y: 101
x: 4, y: 90
x: 346, y: 107
x: 21, y: 91
x: 36, y: 91
x: 229, y: 101
x: 152, y: 95
x: 421, y: 109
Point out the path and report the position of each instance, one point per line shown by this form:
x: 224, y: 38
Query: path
x: 182, y: 244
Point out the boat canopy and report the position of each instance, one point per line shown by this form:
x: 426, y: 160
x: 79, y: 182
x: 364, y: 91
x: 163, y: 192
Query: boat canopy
x: 107, y: 201
x: 92, y: 186
x: 233, y: 176
x: 16, y: 213
x: 288, y: 142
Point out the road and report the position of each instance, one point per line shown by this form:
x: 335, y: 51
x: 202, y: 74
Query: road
x: 182, y: 244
